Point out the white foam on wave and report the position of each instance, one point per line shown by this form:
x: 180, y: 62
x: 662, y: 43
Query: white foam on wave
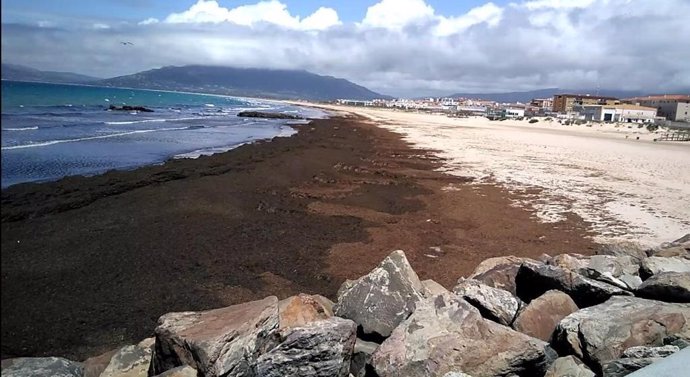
x: 53, y: 142
x: 124, y: 122
x: 21, y: 129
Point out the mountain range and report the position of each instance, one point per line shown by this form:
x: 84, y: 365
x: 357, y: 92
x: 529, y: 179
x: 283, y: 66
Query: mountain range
x: 251, y: 82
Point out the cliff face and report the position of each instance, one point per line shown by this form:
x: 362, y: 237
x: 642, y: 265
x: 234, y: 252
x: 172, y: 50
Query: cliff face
x: 511, y: 316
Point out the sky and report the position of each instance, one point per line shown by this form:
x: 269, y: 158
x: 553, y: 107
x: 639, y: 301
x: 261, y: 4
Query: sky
x: 398, y: 47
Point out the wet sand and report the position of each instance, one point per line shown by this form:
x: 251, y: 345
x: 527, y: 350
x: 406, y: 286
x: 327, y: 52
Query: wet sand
x: 90, y: 263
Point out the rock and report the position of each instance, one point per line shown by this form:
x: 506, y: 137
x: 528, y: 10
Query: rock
x: 41, y: 367
x: 380, y: 300
x: 130, y: 108
x: 493, y: 303
x: 600, y: 333
x: 569, y: 366
x: 673, y: 251
x: 677, y: 340
x: 456, y: 374
x: 499, y: 272
x: 654, y: 265
x: 219, y: 342
x: 94, y: 366
x: 447, y: 334
x: 572, y: 262
x: 631, y: 281
x: 267, y: 115
x: 623, y: 248
x: 131, y: 361
x: 535, y: 279
x: 361, y: 357
x: 540, y: 318
x: 646, y: 351
x: 432, y: 288
x: 301, y: 309
x: 625, y: 366
x: 183, y: 371
x: 666, y: 286
x: 318, y: 349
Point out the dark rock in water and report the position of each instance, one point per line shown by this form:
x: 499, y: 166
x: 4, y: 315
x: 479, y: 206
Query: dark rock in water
x: 261, y: 114
x: 318, y: 349
x: 130, y: 108
x: 41, y: 367
x: 219, y: 342
x: 667, y: 286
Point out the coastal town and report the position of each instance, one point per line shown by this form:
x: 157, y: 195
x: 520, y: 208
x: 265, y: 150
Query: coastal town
x: 667, y: 109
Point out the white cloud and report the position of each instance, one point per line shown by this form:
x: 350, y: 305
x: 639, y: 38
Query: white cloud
x: 557, y: 4
x: 272, y: 12
x: 149, y: 21
x: 396, y: 14
x: 488, y: 13
x: 608, y: 44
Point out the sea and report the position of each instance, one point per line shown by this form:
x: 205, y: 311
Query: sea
x: 50, y: 131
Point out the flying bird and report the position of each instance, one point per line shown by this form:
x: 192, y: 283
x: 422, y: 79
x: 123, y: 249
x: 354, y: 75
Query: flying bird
x: 127, y: 43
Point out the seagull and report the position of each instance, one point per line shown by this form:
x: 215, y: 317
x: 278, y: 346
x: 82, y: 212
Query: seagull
x: 127, y: 43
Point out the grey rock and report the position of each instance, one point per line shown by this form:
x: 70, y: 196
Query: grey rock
x: 540, y: 318
x: 600, y: 333
x: 646, y: 351
x: 456, y: 374
x: 572, y: 262
x: 131, y: 361
x: 535, y: 279
x: 623, y: 248
x: 318, y: 349
x: 361, y: 357
x: 678, y: 340
x: 494, y: 303
x: 667, y: 286
x: 183, y: 371
x: 568, y: 366
x: 447, y: 334
x: 499, y: 272
x: 41, y: 367
x: 219, y: 342
x: 631, y: 281
x: 380, y: 300
x: 432, y: 288
x: 673, y: 251
x: 625, y: 366
x: 654, y: 265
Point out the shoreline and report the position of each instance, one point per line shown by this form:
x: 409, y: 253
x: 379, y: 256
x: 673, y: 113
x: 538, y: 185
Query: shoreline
x: 90, y: 263
x: 628, y: 189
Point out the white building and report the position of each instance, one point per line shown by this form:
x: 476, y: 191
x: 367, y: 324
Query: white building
x: 674, y: 107
x: 617, y: 113
x: 513, y: 112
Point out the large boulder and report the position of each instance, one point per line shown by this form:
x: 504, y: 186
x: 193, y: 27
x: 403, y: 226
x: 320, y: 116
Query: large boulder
x: 494, y: 303
x: 447, y: 334
x: 623, y: 248
x: 535, y: 279
x: 131, y: 361
x: 41, y: 367
x: 568, y: 366
x: 380, y: 300
x: 432, y: 288
x: 621, y: 271
x: 301, y: 309
x: 667, y: 286
x: 600, y: 333
x: 499, y: 272
x: 183, y: 371
x: 635, y: 358
x: 572, y: 262
x: 654, y: 265
x: 541, y: 316
x: 219, y: 342
x: 318, y: 349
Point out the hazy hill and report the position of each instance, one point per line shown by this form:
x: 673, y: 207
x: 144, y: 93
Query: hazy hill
x: 21, y: 73
x: 245, y: 82
x: 546, y: 93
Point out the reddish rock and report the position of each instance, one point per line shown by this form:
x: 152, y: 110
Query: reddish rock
x: 540, y: 318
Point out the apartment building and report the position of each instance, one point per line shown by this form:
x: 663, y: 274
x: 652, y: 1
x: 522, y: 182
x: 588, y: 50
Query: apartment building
x: 675, y: 107
x: 564, y: 103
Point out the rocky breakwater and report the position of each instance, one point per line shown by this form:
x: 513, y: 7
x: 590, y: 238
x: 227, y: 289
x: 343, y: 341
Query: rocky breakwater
x: 565, y: 315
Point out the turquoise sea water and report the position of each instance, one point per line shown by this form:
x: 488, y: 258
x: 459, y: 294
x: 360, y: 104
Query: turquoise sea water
x: 50, y: 130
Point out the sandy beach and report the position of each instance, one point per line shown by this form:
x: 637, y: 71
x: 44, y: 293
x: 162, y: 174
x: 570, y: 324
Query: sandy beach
x: 90, y: 263
x: 615, y: 177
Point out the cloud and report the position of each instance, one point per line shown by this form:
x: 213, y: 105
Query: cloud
x: 419, y: 51
x: 272, y: 11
